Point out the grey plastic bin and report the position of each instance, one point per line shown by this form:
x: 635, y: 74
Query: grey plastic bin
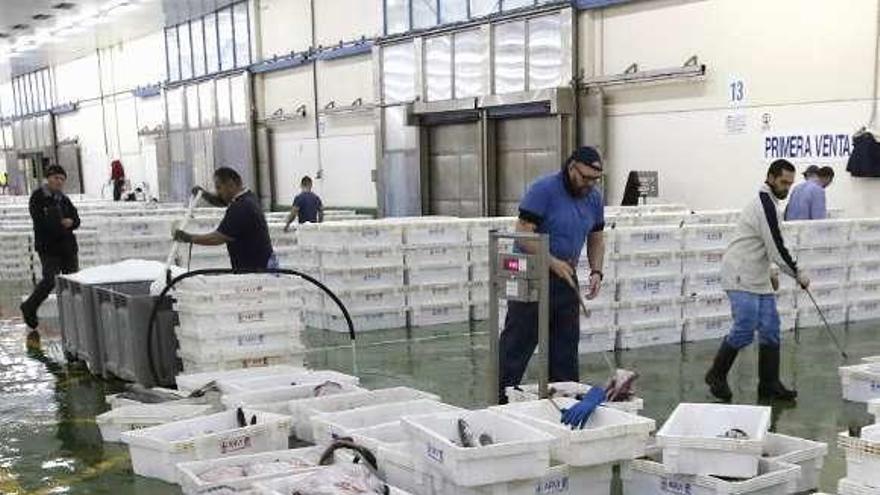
x: 67, y: 317
x: 124, y: 314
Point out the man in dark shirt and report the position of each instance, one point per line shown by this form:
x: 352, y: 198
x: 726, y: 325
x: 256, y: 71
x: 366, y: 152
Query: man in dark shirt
x: 306, y: 205
x: 55, y: 218
x: 243, y: 228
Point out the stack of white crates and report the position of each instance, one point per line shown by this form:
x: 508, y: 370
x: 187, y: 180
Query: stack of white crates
x: 362, y: 262
x: 238, y: 321
x: 284, y: 243
x: 142, y: 237
x: 478, y: 260
x: 706, y: 311
x: 822, y: 249
x: 16, y: 243
x: 204, y: 221
x: 863, y: 294
x: 89, y: 247
x: 649, y: 285
x: 437, y: 276
x: 598, y: 323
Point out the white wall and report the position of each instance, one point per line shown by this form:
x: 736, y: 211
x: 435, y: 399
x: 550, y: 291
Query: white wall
x: 807, y: 64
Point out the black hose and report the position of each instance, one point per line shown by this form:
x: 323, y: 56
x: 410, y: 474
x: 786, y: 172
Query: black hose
x: 229, y: 271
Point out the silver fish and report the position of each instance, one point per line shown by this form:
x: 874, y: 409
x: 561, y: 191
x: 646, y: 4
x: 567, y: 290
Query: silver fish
x: 465, y: 435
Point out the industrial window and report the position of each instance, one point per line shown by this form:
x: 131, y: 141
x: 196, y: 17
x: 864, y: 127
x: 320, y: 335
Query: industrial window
x: 406, y: 15
x: 215, y: 42
x: 31, y: 93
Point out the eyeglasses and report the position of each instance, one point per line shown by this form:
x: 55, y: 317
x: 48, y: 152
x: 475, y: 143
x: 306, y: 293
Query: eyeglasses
x: 589, y: 179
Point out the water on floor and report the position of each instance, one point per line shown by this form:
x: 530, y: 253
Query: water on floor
x: 49, y: 442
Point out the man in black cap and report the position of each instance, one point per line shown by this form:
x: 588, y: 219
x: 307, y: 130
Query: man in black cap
x: 569, y: 207
x: 55, y: 218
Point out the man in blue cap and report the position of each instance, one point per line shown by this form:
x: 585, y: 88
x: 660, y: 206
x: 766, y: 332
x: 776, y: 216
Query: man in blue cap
x: 569, y: 207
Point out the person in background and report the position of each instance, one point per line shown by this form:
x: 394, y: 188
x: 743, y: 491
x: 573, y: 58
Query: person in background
x: 808, y: 198
x: 750, y: 285
x: 567, y: 205
x: 306, y: 205
x: 117, y: 177
x: 55, y: 219
x: 243, y: 228
x: 631, y: 193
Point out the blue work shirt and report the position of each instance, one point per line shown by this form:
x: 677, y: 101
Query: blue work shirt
x: 807, y: 202
x: 244, y: 222
x: 309, y: 205
x: 566, y: 217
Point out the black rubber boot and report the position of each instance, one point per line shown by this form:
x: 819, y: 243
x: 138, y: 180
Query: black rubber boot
x: 716, y: 378
x: 769, y: 386
x: 29, y: 316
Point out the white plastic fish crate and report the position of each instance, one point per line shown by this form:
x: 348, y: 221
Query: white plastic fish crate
x: 863, y: 311
x: 599, y: 315
x: 823, y: 255
x: 865, y: 230
x: 847, y: 486
x: 239, y: 473
x: 608, y: 436
x: 824, y: 292
x: 366, y: 298
x: 125, y: 227
x: 247, y: 382
x: 702, y: 305
x: 156, y: 451
x: 436, y: 255
x: 479, y: 272
x: 641, y: 264
x: 519, y: 452
x: 707, y: 328
x: 648, y: 239
x: 349, y: 278
x: 860, y: 382
x: 866, y: 250
x: 822, y: 232
x: 194, y: 381
x: 649, y: 477
x: 191, y: 366
x: 607, y: 289
x: 707, y: 236
x: 660, y: 218
x: 597, y: 340
x: 835, y: 314
x: 693, y: 439
x: 649, y: 287
x: 479, y: 292
x: 291, y: 484
x: 830, y: 273
x: 712, y: 217
x: 439, y: 314
x: 868, y: 290
x: 330, y: 425
x: 807, y: 454
x: 260, y: 317
x: 351, y: 233
x: 365, y: 320
x: 360, y: 256
x: 649, y: 311
x: 443, y: 293
x: 571, y: 390
x: 864, y: 271
x: 302, y: 411
x: 786, y: 299
x: 426, y: 232
x: 437, y: 274
x: 862, y: 456
x: 135, y: 417
x: 478, y: 228
x: 246, y: 285
x: 204, y: 353
x: 706, y: 260
x: 703, y: 283
x: 636, y: 336
x: 241, y: 336
x: 277, y: 399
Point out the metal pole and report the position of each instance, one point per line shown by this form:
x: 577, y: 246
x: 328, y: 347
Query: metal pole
x: 543, y: 257
x: 494, y: 358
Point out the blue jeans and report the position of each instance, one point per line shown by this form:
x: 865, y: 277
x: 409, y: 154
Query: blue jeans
x: 753, y: 312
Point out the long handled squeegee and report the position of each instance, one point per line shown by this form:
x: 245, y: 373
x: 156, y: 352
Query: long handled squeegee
x: 827, y: 326
x: 194, y: 200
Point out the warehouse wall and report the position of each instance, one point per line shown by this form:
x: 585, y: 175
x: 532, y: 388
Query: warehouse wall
x: 806, y: 67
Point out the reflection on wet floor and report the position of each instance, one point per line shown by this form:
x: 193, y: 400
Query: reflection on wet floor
x: 49, y: 442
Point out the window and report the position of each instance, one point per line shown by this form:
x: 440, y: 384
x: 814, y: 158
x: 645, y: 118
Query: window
x: 482, y: 8
x: 198, y: 47
x: 399, y: 73
x: 226, y: 40
x: 224, y: 103
x: 396, y: 16
x: 172, y: 54
x: 238, y: 95
x: 470, y: 64
x: 424, y: 13
x: 183, y: 40
x: 510, y: 61
x: 242, y: 35
x: 453, y: 11
x: 516, y: 4
x: 545, y: 52
x: 192, y: 107
x: 212, y: 54
x: 438, y: 68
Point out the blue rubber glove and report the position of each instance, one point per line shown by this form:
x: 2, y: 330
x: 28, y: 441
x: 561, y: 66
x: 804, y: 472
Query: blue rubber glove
x: 578, y: 415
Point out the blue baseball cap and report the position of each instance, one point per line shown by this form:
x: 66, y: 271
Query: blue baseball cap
x: 588, y: 156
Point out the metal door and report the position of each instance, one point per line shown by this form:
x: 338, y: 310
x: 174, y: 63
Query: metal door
x: 69, y: 159
x: 454, y: 184
x: 525, y: 148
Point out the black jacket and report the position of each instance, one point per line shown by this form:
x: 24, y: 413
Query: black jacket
x: 47, y: 210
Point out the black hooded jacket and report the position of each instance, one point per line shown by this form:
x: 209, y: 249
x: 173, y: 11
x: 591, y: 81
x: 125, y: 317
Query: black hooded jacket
x: 47, y: 210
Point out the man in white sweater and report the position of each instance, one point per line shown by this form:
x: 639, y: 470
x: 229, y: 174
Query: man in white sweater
x: 750, y: 285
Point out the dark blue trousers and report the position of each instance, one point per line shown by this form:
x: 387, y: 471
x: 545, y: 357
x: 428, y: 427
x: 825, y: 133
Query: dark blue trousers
x: 520, y: 337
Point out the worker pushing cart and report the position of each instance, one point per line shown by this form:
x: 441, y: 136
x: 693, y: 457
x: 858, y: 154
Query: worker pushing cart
x: 568, y: 207
x: 751, y: 285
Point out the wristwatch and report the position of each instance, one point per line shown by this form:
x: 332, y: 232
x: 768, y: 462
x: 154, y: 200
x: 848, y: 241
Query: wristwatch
x: 599, y: 273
